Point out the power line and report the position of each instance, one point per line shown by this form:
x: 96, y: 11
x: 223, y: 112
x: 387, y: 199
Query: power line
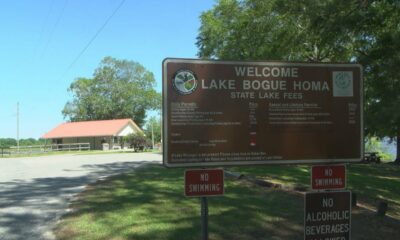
x: 93, y: 38
x: 54, y: 28
x: 42, y: 31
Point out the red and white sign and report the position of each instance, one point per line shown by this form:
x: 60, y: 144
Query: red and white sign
x: 328, y: 177
x: 204, y: 182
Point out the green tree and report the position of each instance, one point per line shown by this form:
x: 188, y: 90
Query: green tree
x: 153, y: 125
x: 11, y: 142
x: 7, y: 142
x: 138, y: 141
x: 379, y: 53
x: 373, y: 144
x: 118, y: 89
x: 31, y: 142
x: 278, y: 30
x: 367, y: 32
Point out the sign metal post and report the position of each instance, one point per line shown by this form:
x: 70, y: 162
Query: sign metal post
x: 204, y: 218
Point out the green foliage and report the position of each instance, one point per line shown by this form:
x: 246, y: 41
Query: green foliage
x: 153, y: 122
x: 374, y: 144
x: 381, y: 58
x: 367, y: 32
x: 279, y: 30
x: 10, y: 142
x: 31, y: 142
x: 7, y: 142
x: 240, y: 30
x: 137, y: 141
x: 118, y: 89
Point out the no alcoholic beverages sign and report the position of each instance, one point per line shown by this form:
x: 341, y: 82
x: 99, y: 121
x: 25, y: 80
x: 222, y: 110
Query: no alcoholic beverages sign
x: 327, y: 216
x: 243, y: 113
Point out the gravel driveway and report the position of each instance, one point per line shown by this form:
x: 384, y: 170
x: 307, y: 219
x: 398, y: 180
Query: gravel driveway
x: 35, y: 191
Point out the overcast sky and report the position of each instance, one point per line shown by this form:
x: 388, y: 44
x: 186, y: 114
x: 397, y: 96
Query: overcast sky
x: 39, y: 40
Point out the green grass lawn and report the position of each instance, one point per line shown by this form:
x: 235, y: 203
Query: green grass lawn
x: 371, y: 182
x: 149, y: 204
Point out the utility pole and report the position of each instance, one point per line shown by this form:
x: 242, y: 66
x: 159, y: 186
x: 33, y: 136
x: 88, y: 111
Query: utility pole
x: 18, y: 127
x: 161, y: 127
x: 152, y: 135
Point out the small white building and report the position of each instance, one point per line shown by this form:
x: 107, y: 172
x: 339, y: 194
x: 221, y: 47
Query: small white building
x: 96, y: 133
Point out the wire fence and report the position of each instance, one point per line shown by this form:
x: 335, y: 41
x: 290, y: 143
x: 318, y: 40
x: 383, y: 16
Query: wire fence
x: 38, y: 149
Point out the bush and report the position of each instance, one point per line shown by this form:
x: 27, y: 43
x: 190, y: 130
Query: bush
x: 138, y: 141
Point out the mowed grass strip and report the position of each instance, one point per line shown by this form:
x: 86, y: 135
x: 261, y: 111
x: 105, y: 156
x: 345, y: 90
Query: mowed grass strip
x: 74, y: 152
x: 149, y: 204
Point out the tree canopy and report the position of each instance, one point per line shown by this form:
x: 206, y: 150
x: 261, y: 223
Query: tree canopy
x: 118, y: 89
x: 275, y: 30
x: 11, y: 142
x: 366, y: 32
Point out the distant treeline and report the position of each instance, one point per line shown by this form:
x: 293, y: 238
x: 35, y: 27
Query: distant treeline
x: 9, y: 142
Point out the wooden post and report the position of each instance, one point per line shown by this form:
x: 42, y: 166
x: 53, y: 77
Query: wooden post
x: 382, y: 208
x: 353, y: 199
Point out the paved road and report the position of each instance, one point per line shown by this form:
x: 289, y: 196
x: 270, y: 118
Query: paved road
x: 35, y: 191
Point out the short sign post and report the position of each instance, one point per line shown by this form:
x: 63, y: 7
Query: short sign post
x: 204, y: 218
x: 328, y: 177
x: 327, y: 215
x: 204, y: 183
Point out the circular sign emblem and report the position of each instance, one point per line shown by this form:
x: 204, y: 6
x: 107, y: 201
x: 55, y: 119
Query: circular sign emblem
x: 184, y: 82
x: 342, y: 80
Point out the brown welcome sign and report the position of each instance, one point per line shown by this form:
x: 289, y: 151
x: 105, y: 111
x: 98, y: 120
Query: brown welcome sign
x: 244, y: 113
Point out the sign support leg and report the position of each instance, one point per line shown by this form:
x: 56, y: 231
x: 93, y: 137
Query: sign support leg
x: 204, y: 218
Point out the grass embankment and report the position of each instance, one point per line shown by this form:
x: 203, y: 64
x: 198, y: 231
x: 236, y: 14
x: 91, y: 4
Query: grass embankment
x: 149, y: 204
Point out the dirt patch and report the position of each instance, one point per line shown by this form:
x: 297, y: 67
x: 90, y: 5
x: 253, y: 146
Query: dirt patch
x: 367, y: 225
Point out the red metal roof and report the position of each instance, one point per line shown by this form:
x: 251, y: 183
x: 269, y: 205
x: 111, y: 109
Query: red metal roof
x: 90, y: 128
